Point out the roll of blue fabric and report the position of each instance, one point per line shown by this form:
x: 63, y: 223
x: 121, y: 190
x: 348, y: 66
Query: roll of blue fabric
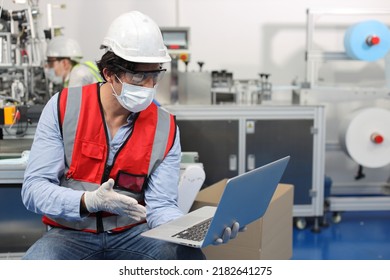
x: 368, y: 40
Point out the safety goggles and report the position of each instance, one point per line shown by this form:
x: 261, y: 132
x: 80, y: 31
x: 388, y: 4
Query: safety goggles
x: 141, y: 77
x: 50, y: 61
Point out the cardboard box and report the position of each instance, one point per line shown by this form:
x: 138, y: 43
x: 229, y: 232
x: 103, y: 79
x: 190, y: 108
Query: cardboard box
x: 268, y: 238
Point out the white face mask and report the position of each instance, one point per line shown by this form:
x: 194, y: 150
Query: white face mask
x: 51, y: 75
x: 134, y: 98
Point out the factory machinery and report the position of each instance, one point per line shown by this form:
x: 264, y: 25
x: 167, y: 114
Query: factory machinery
x: 357, y: 154
x: 336, y: 134
x: 24, y: 90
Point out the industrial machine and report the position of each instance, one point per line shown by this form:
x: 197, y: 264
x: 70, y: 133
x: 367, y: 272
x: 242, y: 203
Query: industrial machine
x: 356, y: 160
x: 357, y: 111
x: 231, y: 140
x: 24, y: 90
x: 177, y: 41
x: 19, y: 228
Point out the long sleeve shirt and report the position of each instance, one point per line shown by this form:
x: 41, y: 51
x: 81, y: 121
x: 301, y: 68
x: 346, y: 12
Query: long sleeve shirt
x: 42, y: 193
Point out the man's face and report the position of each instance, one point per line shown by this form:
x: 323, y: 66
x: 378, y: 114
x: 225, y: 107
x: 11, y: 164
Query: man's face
x: 58, y: 64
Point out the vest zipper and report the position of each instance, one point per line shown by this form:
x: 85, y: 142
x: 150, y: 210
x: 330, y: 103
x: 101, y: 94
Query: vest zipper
x: 107, y: 168
x: 106, y: 176
x: 99, y: 218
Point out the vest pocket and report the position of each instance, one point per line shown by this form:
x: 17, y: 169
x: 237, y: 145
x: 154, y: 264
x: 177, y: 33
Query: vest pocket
x: 129, y: 182
x: 92, y: 150
x: 89, y: 162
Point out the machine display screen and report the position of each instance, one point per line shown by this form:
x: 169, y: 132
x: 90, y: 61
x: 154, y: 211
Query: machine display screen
x: 175, y: 39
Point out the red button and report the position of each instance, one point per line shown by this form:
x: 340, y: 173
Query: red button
x: 373, y: 40
x: 184, y: 57
x: 377, y: 138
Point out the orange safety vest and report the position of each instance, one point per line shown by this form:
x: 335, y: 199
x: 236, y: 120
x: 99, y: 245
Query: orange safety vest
x: 86, y: 147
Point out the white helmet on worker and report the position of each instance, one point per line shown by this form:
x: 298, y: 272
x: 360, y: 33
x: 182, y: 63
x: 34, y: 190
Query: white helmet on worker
x: 137, y: 38
x: 64, y: 47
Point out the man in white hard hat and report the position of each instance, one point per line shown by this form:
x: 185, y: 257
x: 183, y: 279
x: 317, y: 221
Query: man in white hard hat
x: 64, y: 64
x: 105, y: 162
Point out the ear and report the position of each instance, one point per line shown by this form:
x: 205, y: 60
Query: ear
x: 107, y: 76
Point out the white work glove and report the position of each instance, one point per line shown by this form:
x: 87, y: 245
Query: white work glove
x: 106, y: 199
x: 229, y: 233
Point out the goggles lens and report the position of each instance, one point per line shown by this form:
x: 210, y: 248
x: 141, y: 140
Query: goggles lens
x: 50, y: 62
x: 141, y: 77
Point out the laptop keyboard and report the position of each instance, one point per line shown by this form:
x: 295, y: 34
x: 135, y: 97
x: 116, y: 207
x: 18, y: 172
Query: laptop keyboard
x: 196, y: 232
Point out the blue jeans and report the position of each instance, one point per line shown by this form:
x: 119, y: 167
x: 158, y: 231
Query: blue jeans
x: 63, y: 244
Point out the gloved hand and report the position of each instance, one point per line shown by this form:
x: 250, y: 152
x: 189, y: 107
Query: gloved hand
x: 106, y: 199
x: 230, y: 233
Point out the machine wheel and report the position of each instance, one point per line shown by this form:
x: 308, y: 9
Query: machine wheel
x: 336, y: 217
x: 300, y: 223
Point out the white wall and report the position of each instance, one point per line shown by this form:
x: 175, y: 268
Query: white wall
x: 242, y: 36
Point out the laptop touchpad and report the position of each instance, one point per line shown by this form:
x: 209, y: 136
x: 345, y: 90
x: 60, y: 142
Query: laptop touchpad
x: 187, y: 221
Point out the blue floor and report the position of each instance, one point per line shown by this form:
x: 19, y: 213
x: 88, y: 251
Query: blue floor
x: 358, y: 236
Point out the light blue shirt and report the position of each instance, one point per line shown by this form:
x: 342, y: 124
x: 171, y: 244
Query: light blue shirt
x: 42, y: 193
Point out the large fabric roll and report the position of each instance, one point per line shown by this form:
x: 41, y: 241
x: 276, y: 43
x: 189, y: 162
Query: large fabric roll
x: 368, y: 40
x: 365, y: 137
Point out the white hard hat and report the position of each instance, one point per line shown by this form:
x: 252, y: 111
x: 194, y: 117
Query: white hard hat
x: 136, y: 37
x: 64, y: 47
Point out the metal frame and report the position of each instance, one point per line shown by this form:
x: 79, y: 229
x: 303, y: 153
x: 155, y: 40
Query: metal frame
x: 338, y: 204
x: 5, y: 48
x: 11, y: 173
x: 313, y: 56
x: 312, y: 93
x: 245, y: 112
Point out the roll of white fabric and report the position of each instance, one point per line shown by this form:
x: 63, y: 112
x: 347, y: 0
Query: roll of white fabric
x: 365, y: 137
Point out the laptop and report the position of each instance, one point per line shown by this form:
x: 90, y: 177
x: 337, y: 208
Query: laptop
x: 245, y: 199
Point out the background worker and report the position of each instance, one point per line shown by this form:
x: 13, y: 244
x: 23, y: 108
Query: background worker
x: 106, y: 168
x: 65, y: 67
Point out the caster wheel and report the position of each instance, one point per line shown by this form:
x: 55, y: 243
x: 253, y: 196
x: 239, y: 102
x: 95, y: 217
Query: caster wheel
x: 336, y: 218
x: 300, y: 223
